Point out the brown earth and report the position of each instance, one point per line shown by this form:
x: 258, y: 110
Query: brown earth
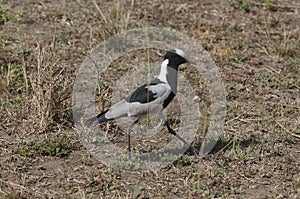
x: 255, y: 44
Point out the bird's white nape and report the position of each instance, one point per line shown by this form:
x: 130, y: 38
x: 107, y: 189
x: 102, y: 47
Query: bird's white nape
x: 163, y: 71
x: 180, y: 52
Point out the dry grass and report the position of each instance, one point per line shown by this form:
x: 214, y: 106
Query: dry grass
x: 255, y: 43
x: 50, y: 88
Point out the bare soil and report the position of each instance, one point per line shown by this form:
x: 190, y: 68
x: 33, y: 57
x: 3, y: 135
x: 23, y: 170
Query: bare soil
x: 254, y: 43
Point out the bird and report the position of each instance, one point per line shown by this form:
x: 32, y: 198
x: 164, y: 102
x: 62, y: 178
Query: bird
x: 150, y: 98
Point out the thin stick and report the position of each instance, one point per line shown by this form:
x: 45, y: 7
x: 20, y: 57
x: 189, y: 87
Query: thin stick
x: 25, y: 75
x: 293, y: 134
x: 204, y: 131
x: 13, y: 184
x: 100, y: 12
x: 274, y: 5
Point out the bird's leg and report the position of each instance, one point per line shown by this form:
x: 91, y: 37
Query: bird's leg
x: 167, y: 124
x: 174, y: 133
x: 159, y: 125
x: 128, y: 136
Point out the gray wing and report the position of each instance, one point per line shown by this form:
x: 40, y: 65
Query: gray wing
x: 126, y: 108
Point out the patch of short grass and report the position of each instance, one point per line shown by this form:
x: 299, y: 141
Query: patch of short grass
x: 240, y: 5
x: 135, y: 189
x: 184, y: 160
x: 55, y: 145
x: 6, y: 15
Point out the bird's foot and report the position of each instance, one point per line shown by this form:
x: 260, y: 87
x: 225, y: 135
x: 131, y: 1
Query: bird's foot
x: 159, y: 126
x: 195, y: 151
x: 129, y: 156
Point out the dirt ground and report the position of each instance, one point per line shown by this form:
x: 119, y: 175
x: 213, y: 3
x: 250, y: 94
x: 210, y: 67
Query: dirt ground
x: 254, y: 43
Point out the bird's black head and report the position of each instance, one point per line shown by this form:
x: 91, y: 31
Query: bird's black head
x: 176, y: 57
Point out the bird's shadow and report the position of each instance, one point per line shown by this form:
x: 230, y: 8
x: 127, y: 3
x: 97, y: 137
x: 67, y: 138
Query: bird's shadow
x: 225, y: 145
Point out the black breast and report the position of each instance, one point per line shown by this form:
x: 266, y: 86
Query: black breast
x: 168, y: 100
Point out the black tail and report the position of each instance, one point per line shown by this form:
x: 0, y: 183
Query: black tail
x: 97, y: 120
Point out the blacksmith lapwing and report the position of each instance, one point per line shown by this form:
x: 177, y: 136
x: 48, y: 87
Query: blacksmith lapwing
x: 150, y: 98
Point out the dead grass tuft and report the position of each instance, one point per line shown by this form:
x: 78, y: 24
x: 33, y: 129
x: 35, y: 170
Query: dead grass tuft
x: 49, y: 90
